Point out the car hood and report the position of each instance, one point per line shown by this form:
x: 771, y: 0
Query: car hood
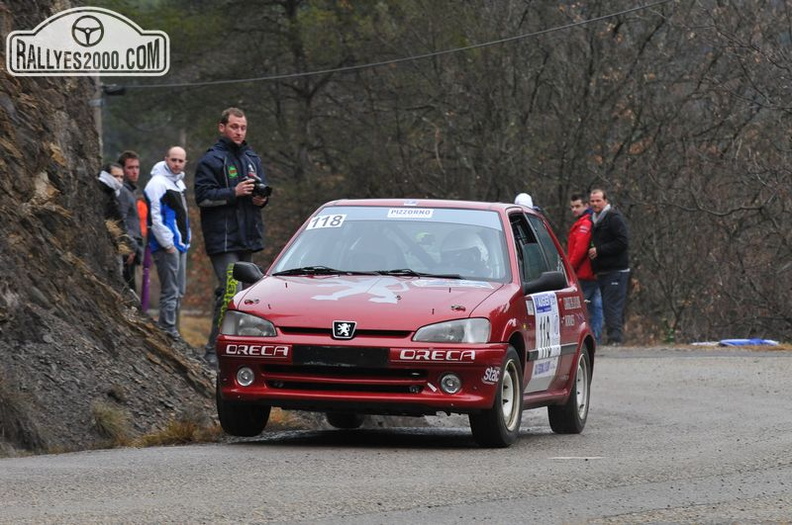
x: 376, y: 302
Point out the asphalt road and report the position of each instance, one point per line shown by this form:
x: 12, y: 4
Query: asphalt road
x: 673, y: 436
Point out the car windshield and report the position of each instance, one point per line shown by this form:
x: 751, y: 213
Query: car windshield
x: 404, y: 241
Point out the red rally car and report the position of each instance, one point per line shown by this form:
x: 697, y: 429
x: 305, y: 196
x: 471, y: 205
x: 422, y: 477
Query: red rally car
x: 410, y: 307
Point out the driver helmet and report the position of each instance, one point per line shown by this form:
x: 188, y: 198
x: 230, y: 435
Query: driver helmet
x: 464, y: 250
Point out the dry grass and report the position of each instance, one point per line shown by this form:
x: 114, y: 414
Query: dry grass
x: 112, y: 423
x: 181, y: 432
x: 287, y: 420
x: 781, y: 347
x: 193, y: 425
x: 17, y: 426
x: 195, y: 329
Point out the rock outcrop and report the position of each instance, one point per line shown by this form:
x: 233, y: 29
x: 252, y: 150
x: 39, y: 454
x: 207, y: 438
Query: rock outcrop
x: 75, y: 351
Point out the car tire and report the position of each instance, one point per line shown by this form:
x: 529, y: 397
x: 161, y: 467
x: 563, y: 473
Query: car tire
x: 344, y: 420
x: 241, y: 419
x: 499, y: 426
x: 570, y: 418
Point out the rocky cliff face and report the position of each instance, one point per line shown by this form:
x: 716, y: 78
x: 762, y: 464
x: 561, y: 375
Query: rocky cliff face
x: 75, y: 352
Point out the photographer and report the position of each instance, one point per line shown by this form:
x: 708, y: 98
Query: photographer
x: 230, y: 189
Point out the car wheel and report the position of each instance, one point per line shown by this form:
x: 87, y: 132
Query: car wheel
x: 570, y: 418
x: 499, y: 426
x: 241, y: 419
x: 345, y: 420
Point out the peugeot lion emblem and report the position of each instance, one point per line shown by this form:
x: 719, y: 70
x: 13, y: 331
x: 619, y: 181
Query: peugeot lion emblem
x: 343, y: 329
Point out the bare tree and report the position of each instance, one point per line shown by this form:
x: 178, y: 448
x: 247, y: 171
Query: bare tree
x: 680, y: 110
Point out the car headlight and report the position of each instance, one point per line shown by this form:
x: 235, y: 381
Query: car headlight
x: 239, y: 323
x: 458, y: 331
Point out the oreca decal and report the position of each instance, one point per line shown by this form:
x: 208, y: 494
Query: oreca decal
x: 408, y: 354
x: 277, y: 351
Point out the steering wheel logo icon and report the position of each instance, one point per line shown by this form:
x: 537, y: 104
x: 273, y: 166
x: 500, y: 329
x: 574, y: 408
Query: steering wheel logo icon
x: 87, y: 31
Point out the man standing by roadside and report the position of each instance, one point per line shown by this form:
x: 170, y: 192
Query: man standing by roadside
x: 128, y: 200
x: 610, y: 262
x: 578, y: 243
x: 169, y: 238
x: 229, y: 189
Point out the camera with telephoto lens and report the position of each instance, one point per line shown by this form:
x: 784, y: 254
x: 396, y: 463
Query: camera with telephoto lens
x: 260, y: 189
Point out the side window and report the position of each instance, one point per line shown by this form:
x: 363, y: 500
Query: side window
x: 532, y: 262
x: 554, y: 261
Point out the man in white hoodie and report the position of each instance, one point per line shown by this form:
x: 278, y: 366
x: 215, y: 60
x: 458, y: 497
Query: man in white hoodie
x: 169, y: 234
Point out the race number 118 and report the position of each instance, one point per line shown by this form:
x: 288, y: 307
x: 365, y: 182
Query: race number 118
x: 326, y: 221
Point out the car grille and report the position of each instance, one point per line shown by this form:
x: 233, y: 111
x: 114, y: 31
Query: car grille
x: 340, y: 356
x: 344, y: 377
x: 304, y: 330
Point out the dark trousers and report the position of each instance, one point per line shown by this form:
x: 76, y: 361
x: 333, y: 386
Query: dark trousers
x: 593, y: 296
x: 613, y: 286
x: 220, y: 263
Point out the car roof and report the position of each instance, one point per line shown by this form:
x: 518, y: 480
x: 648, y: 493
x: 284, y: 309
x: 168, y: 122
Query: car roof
x: 432, y: 203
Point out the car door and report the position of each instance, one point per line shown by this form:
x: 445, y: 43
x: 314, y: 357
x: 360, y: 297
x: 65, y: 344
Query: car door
x: 551, y: 345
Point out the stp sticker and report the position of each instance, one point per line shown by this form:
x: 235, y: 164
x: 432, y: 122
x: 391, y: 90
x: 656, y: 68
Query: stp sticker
x: 491, y: 375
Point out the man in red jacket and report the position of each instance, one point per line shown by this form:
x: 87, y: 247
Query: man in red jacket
x: 578, y: 242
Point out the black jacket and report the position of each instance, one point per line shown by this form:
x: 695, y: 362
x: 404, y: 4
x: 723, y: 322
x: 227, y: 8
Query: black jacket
x: 229, y: 223
x: 612, y: 240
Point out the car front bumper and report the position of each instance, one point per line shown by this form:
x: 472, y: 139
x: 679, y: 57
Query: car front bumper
x: 399, y: 379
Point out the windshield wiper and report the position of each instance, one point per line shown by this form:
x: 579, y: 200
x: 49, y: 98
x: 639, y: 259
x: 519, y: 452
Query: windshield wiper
x: 326, y: 270
x: 320, y: 270
x: 408, y: 272
x: 310, y: 270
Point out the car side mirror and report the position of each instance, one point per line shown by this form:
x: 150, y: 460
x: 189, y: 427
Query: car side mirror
x: 546, y: 282
x: 247, y: 272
